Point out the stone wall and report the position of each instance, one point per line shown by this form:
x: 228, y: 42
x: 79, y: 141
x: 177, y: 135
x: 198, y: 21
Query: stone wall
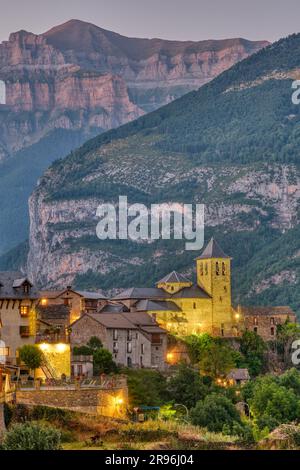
x: 105, y: 402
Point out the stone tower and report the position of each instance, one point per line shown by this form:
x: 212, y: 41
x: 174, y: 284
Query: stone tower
x: 214, y: 276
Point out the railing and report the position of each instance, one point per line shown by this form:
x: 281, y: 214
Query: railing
x: 52, y: 338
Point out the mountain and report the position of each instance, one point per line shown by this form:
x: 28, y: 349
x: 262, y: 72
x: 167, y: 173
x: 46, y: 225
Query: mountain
x: 233, y: 145
x: 77, y: 80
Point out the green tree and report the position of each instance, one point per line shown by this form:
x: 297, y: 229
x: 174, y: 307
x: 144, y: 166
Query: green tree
x: 95, y: 343
x: 253, y: 349
x: 214, y: 413
x: 273, y: 403
x: 216, y: 360
x: 197, y: 344
x: 32, y: 356
x: 103, y: 362
x: 32, y: 436
x: 147, y: 387
x: 187, y: 386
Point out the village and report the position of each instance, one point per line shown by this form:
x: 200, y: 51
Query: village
x: 73, y: 350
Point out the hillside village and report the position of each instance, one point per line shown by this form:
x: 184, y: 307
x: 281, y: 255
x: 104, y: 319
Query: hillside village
x: 135, y: 326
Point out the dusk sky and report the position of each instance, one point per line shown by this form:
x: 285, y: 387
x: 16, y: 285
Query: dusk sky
x: 169, y: 19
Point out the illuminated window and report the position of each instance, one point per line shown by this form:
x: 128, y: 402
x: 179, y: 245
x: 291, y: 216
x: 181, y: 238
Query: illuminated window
x: 255, y: 321
x: 24, y: 311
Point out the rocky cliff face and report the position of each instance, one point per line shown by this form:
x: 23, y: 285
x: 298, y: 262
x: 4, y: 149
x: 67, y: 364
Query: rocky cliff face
x: 79, y: 76
x: 63, y: 239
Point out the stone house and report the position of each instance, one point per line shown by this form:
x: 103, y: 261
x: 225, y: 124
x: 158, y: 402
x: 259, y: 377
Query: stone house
x: 238, y: 377
x: 133, y: 342
x: 78, y: 301
x: 264, y: 320
x: 18, y: 300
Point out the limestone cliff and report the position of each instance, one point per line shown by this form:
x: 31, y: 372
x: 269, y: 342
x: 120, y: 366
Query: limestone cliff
x: 79, y: 76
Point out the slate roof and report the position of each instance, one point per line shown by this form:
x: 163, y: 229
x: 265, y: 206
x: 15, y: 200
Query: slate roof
x: 212, y: 250
x: 142, y: 293
x: 140, y: 318
x: 91, y: 295
x: 239, y: 374
x: 173, y: 278
x: 151, y: 305
x: 53, y: 312
x: 192, y: 292
x: 112, y: 320
x: 11, y: 286
x: 113, y: 308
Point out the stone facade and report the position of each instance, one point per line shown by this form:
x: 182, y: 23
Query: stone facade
x: 264, y: 320
x: 130, y: 346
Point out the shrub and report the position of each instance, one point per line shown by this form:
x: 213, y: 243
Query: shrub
x: 187, y: 386
x: 31, y: 436
x: 215, y: 412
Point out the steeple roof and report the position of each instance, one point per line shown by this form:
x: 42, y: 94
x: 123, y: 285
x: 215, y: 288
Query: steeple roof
x: 174, y: 278
x: 212, y: 250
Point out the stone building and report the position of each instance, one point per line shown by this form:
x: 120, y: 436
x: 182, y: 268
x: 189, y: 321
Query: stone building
x: 184, y: 308
x: 134, y: 340
x: 18, y: 300
x: 78, y: 301
x: 264, y: 320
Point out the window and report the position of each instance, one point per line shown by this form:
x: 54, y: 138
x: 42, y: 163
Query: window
x: 225, y: 289
x: 115, y: 335
x: 223, y: 269
x: 142, y: 348
x: 129, y: 335
x: 222, y: 329
x: 217, y: 269
x: 129, y: 362
x: 115, y: 348
x: 194, y: 305
x: 24, y: 331
x: 67, y: 302
x: 255, y: 321
x: 272, y: 320
x: 201, y: 269
x: 26, y: 288
x: 4, y: 351
x: 79, y: 369
x: 24, y: 311
x: 129, y: 347
x: 255, y: 329
x: 272, y: 331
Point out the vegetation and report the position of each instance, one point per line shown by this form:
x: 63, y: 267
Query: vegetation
x: 32, y: 436
x: 102, y: 358
x: 31, y: 355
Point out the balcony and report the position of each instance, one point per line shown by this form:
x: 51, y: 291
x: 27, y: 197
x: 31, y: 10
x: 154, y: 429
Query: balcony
x: 52, y: 338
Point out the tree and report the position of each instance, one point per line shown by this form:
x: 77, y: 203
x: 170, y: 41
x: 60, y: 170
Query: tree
x: 286, y: 334
x: 31, y: 436
x: 273, y: 403
x: 147, y: 387
x: 103, y: 362
x: 95, y: 343
x: 215, y: 412
x: 216, y: 360
x: 32, y: 356
x: 197, y: 344
x: 187, y: 386
x: 253, y: 348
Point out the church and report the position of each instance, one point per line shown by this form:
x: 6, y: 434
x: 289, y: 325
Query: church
x: 184, y: 308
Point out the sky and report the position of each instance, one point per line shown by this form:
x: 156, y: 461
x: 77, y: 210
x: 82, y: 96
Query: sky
x: 168, y: 19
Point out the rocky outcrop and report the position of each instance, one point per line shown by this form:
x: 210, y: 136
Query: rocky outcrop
x: 79, y: 76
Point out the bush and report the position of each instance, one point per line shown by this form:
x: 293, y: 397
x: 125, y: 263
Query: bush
x: 187, y: 386
x: 47, y: 413
x: 215, y: 412
x: 31, y: 436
